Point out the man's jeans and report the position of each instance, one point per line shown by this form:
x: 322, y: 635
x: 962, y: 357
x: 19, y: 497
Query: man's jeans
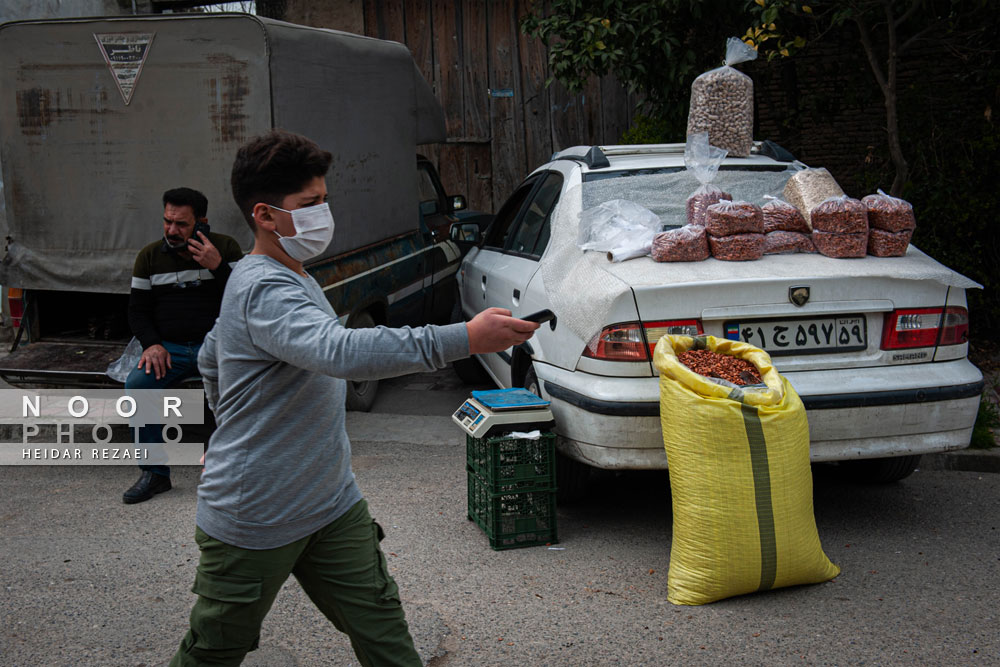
x: 184, y: 365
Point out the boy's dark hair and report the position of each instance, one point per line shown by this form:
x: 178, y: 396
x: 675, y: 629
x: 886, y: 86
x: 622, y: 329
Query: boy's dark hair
x: 187, y: 197
x: 273, y: 166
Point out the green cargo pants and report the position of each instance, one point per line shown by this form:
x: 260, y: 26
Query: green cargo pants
x: 340, y: 567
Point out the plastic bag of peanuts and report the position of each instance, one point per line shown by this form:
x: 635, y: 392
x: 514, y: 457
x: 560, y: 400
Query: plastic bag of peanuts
x: 722, y: 102
x: 780, y: 216
x: 684, y: 244
x: 703, y: 159
x: 889, y: 213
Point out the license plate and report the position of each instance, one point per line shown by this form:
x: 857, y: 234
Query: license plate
x: 841, y: 333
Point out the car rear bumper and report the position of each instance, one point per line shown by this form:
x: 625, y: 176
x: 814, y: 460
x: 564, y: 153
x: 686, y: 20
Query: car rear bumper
x: 904, y: 416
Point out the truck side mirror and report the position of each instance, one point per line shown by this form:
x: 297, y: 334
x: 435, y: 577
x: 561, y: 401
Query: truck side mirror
x: 458, y: 203
x: 429, y: 207
x: 465, y: 232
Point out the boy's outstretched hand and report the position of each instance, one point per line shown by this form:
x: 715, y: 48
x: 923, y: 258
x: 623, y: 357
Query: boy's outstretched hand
x: 494, y: 330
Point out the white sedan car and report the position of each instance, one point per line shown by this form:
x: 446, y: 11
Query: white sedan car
x: 876, y: 347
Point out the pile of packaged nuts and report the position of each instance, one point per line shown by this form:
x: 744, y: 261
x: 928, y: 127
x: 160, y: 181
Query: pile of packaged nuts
x: 735, y: 230
x: 891, y: 224
x: 840, y: 227
x: 714, y: 365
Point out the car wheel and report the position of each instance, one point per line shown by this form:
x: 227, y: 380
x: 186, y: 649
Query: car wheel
x: 881, y: 471
x: 468, y: 370
x: 361, y: 395
x: 572, y: 477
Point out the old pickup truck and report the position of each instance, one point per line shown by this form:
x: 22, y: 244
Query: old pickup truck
x: 114, y: 111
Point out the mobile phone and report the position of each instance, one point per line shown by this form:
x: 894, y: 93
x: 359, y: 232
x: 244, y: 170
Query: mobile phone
x: 542, y: 316
x: 200, y: 227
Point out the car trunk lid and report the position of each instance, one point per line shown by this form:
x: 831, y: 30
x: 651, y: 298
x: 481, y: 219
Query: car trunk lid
x: 828, y: 313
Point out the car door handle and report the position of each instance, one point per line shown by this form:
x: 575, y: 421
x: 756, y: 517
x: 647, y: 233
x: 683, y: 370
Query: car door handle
x: 517, y: 294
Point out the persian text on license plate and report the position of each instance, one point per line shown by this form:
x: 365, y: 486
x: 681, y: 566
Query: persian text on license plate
x: 815, y: 335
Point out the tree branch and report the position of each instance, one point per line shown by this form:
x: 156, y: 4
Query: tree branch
x: 909, y: 12
x: 908, y: 43
x: 866, y: 42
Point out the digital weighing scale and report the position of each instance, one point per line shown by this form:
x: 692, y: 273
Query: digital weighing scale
x: 503, y: 410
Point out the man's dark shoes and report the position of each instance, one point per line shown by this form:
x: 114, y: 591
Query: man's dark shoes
x: 148, y: 485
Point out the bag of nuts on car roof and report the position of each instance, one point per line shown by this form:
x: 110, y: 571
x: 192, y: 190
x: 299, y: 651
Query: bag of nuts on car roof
x: 808, y: 188
x: 684, y: 244
x: 734, y: 217
x: 722, y: 102
x: 737, y: 248
x: 780, y: 216
x: 889, y: 213
x: 888, y: 244
x: 840, y: 215
x: 783, y: 243
x: 703, y: 159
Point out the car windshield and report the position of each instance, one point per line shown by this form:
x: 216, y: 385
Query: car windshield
x: 664, y: 191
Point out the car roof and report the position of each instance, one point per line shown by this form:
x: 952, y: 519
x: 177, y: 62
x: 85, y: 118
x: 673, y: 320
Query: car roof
x: 644, y: 156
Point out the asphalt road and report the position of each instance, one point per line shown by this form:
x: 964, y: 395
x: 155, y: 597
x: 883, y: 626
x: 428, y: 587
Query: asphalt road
x: 87, y: 580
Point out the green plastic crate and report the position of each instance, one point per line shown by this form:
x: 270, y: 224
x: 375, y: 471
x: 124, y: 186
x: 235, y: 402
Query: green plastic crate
x: 513, y: 464
x: 513, y: 519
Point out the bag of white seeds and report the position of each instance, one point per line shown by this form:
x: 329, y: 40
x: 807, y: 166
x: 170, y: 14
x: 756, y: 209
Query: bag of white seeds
x: 722, y: 102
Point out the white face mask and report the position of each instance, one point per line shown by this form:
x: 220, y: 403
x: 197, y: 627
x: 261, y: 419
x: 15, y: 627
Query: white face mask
x: 313, y: 231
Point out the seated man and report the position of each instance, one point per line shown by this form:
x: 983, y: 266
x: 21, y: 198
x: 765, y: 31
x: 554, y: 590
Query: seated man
x: 177, y: 286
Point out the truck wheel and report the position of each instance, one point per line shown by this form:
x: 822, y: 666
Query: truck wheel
x: 361, y: 395
x: 881, y: 471
x: 572, y: 477
x: 468, y: 370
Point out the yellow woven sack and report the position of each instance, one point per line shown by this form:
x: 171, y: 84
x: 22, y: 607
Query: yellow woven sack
x: 739, y: 477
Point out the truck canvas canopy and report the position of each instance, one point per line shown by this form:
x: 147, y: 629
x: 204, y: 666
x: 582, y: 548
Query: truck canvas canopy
x: 99, y: 116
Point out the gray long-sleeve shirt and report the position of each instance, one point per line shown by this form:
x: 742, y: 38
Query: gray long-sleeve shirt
x: 278, y: 467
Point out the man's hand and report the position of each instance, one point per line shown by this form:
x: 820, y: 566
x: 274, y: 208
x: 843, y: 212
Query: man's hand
x: 156, y: 359
x: 204, y: 252
x: 494, y: 330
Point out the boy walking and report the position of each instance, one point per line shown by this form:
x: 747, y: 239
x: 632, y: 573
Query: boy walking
x: 278, y: 496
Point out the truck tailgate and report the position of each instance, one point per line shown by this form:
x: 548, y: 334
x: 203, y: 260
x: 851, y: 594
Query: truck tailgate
x: 59, y: 363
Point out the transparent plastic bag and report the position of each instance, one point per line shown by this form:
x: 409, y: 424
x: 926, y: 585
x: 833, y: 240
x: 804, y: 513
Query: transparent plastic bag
x: 119, y: 369
x: 780, y: 216
x: 619, y: 227
x: 722, y: 102
x: 840, y: 215
x: 727, y: 218
x: 882, y: 243
x: 783, y: 242
x: 808, y: 188
x: 889, y: 213
x: 737, y: 247
x: 684, y: 244
x: 703, y: 159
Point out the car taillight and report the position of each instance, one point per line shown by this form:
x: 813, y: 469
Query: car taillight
x: 634, y: 341
x: 15, y: 305
x: 619, y: 342
x: 657, y: 330
x: 954, y: 326
x: 925, y: 327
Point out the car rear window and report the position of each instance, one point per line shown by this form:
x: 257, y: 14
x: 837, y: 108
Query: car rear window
x: 665, y: 190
